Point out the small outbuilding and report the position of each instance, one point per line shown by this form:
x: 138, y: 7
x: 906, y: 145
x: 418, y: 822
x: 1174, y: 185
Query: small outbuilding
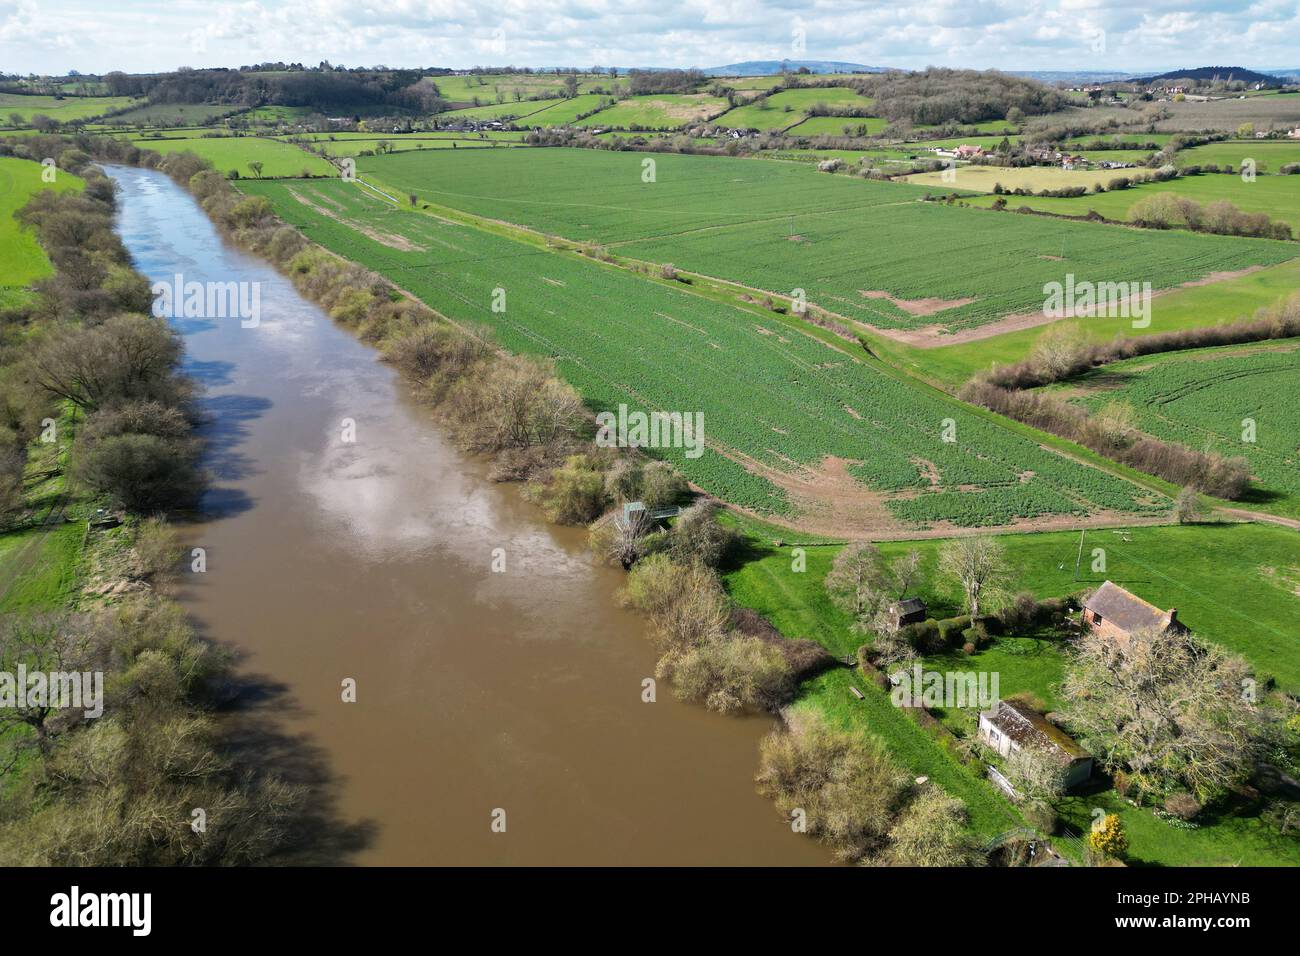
x: 907, y: 611
x: 1013, y: 725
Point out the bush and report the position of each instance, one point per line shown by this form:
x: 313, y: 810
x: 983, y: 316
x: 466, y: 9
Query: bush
x: 686, y: 603
x: 968, y: 648
x: 977, y: 634
x: 1182, y: 805
x: 1042, y: 818
x: 730, y: 674
x: 142, y: 473
x: 696, y: 535
x: 1020, y: 614
x: 950, y: 630
x: 923, y: 636
x: 845, y: 782
x: 574, y: 493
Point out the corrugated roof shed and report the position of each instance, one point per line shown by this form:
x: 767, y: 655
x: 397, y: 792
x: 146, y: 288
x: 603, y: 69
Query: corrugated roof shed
x: 1027, y: 727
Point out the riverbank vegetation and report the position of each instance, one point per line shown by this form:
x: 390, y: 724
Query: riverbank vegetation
x: 99, y: 444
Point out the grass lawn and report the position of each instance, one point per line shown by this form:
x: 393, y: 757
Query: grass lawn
x: 1225, y: 840
x: 38, y: 567
x: 834, y: 126
x: 1234, y: 584
x: 22, y: 261
x: 494, y: 111
x: 236, y: 152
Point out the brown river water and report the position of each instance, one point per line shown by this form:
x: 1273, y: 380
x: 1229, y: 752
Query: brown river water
x: 476, y: 691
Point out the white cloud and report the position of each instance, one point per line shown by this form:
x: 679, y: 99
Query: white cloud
x: 143, y: 35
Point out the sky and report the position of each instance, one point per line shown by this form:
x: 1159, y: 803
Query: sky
x: 54, y: 36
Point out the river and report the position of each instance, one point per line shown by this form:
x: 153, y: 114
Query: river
x: 371, y: 560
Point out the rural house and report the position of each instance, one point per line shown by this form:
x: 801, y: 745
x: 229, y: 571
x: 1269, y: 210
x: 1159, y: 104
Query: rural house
x: 906, y: 611
x: 1013, y: 725
x: 1118, y: 614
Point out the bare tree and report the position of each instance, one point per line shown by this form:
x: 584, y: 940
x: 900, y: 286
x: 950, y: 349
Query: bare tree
x: 1172, y: 712
x: 978, y: 565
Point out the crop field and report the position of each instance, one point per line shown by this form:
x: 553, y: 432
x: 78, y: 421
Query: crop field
x: 22, y: 261
x: 64, y: 109
x: 664, y: 111
x: 236, y: 152
x: 601, y: 196
x: 1208, y: 398
x: 804, y: 400
x: 1278, y: 196
x: 850, y: 244
x: 1227, y: 301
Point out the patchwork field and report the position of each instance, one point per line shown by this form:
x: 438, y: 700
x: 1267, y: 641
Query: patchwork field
x: 495, y: 111
x: 985, y: 178
x: 821, y: 434
x: 1208, y: 399
x: 236, y: 152
x: 487, y: 87
x: 22, y: 261
x: 849, y: 243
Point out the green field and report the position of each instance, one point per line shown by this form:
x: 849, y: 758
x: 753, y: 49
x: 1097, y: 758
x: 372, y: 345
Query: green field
x: 806, y: 396
x: 236, y: 152
x: 849, y: 243
x: 1276, y: 196
x: 834, y: 126
x: 567, y: 111
x: 1206, y: 398
x: 64, y: 109
x: 663, y: 111
x: 788, y: 107
x: 487, y: 87
x: 510, y: 109
x: 22, y: 261
x: 1270, y: 155
x: 173, y: 114
x: 1226, y: 301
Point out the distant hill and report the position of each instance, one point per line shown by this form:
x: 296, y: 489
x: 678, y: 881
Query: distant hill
x: 769, y: 67
x: 1214, y: 72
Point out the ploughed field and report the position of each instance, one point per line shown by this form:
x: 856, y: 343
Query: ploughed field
x: 869, y: 251
x: 788, y: 410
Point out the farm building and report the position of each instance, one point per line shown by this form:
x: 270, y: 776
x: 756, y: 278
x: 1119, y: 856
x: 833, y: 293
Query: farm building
x: 1012, y: 725
x: 906, y: 611
x: 1118, y: 614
